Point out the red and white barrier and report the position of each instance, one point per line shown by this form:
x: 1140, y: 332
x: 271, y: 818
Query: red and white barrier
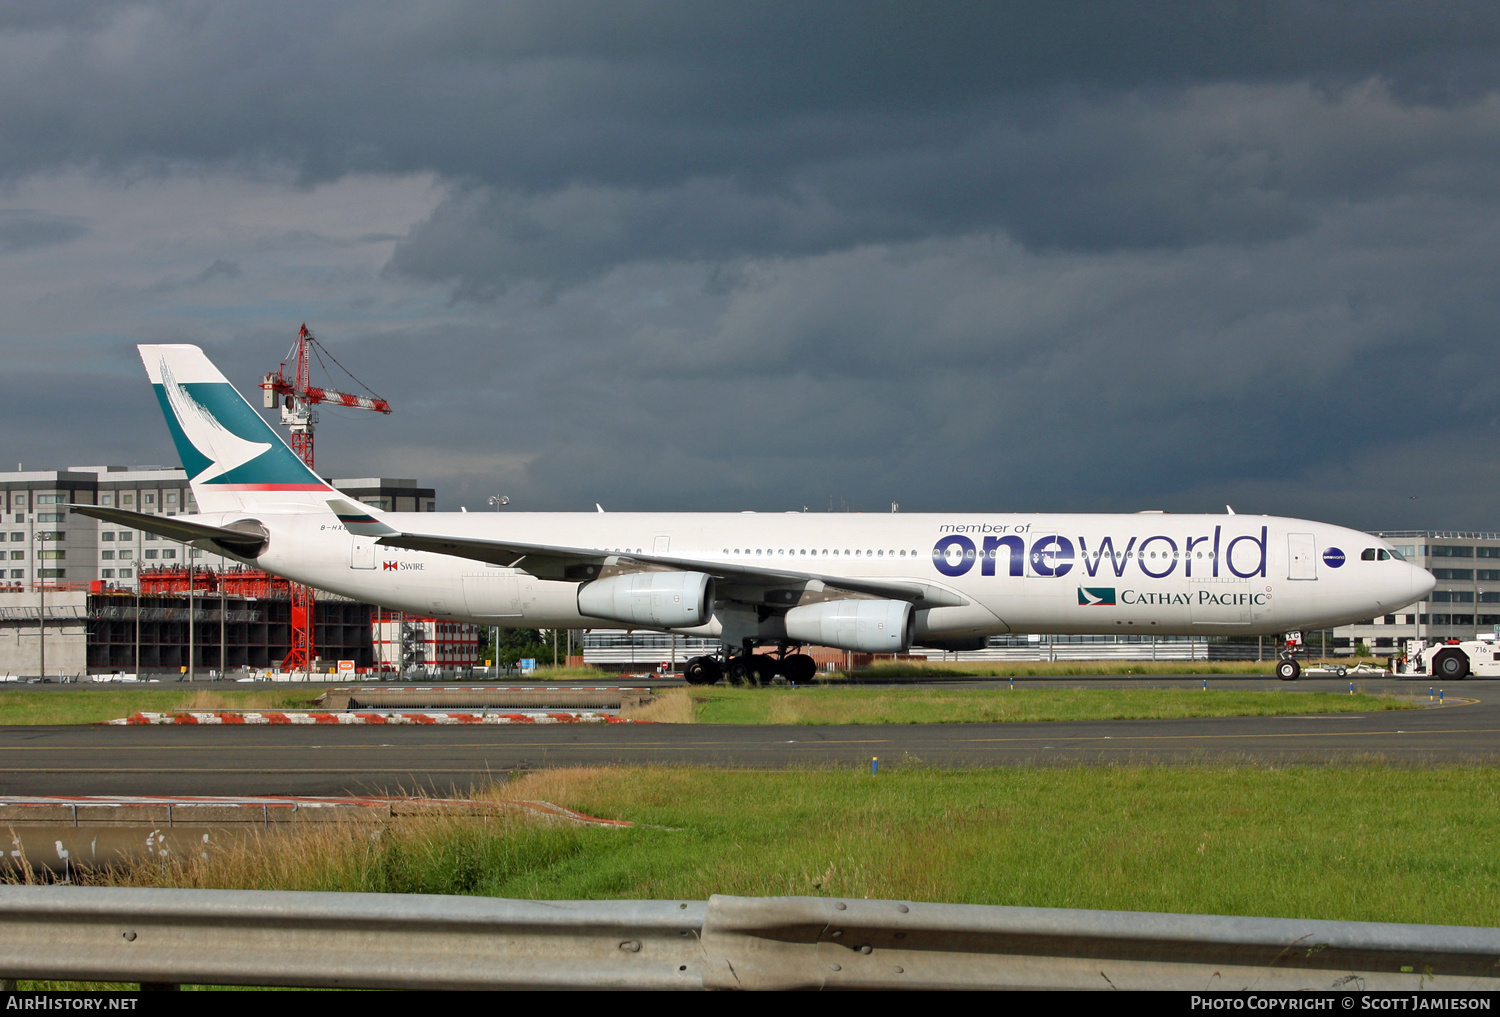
x: 211, y: 717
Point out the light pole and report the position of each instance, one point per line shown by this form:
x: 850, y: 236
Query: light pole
x: 497, y: 502
x: 41, y: 608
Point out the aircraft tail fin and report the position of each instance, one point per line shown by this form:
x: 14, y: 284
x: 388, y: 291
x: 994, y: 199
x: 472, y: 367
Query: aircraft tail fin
x: 235, y: 461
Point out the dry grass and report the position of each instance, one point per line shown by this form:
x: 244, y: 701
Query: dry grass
x: 673, y: 707
x: 442, y: 852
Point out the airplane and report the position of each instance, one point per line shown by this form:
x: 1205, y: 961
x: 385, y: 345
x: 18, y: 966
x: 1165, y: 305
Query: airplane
x: 870, y: 583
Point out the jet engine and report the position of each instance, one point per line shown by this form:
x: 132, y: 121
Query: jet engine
x: 656, y: 600
x: 866, y: 626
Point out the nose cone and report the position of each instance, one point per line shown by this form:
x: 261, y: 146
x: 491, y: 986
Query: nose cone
x: 1422, y: 583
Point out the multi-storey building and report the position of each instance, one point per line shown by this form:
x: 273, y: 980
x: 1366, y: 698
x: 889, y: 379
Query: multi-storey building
x: 40, y: 540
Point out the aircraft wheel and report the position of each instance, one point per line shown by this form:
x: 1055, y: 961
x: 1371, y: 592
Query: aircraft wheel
x: 702, y: 671
x: 760, y: 669
x: 1288, y: 670
x: 738, y: 671
x: 1450, y: 665
x: 799, y: 667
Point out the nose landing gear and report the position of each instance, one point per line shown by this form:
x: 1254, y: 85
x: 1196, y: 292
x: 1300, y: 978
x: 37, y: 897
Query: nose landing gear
x: 1287, y: 668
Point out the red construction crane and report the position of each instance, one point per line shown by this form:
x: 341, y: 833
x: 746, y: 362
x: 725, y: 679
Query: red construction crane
x: 297, y: 396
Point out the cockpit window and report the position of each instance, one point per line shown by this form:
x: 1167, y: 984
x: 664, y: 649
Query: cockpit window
x: 1383, y: 554
x: 1368, y: 554
x: 1397, y: 555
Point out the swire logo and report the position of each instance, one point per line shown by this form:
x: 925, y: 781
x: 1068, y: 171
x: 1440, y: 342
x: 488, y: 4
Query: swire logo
x: 1096, y: 596
x: 391, y: 566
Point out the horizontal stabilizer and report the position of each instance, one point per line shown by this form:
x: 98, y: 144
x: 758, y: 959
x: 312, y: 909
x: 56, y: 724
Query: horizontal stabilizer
x: 247, y: 542
x: 359, y: 519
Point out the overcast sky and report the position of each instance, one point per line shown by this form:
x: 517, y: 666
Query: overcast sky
x: 979, y: 257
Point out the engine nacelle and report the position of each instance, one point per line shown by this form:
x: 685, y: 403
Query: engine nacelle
x: 655, y: 600
x: 867, y: 626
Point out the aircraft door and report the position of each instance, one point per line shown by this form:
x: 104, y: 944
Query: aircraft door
x: 362, y: 553
x: 1302, y: 555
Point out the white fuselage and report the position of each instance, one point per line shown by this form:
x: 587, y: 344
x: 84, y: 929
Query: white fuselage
x: 1018, y: 572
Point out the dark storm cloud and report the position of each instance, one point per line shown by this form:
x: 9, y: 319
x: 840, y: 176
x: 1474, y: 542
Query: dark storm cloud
x: 21, y: 229
x: 589, y: 134
x: 538, y: 95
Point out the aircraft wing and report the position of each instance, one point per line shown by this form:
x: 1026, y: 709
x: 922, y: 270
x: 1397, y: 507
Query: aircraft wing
x: 576, y: 563
x: 554, y: 561
x: 244, y: 542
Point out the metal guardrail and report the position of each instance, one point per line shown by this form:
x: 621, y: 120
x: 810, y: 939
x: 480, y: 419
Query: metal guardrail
x: 246, y: 937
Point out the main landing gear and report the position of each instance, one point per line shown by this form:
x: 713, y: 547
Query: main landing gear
x: 747, y: 668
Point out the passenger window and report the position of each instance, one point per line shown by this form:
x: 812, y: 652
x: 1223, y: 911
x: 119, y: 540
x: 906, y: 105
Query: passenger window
x: 1368, y: 554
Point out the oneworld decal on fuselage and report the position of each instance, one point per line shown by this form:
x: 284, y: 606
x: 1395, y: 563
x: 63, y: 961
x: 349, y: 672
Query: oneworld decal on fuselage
x: 1240, y: 555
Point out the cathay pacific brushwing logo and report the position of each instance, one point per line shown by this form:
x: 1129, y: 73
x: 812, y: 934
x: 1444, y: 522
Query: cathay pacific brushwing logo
x: 1096, y: 596
x: 224, y: 450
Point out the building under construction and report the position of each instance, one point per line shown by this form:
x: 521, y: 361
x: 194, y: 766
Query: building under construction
x: 207, y: 621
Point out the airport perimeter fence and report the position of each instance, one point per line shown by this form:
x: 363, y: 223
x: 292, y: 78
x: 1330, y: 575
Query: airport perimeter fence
x: 166, y: 938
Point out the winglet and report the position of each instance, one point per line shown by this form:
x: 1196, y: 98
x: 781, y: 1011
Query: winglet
x: 359, y: 519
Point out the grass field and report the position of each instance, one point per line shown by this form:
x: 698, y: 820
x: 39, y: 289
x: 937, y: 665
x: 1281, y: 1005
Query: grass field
x: 1042, y: 668
x: 833, y: 705
x: 1362, y: 842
